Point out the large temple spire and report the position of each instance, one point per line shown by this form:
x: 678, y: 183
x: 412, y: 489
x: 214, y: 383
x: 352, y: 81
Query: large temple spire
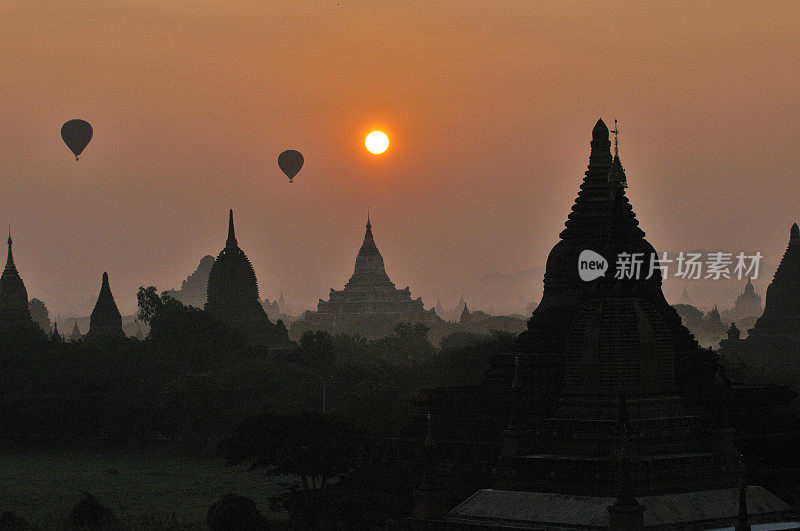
x: 231, y: 242
x: 368, y: 246
x: 105, y: 321
x: 782, y: 302
x: 10, y: 259
x: 13, y: 295
x: 232, y: 291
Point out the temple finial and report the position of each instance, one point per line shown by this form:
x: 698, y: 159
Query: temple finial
x: 369, y: 225
x: 600, y: 131
x: 231, y: 232
x: 10, y: 257
x: 794, y: 234
x: 616, y: 174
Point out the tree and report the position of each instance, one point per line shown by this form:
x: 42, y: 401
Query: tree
x: 413, y: 342
x: 149, y: 303
x: 39, y: 314
x: 317, y: 349
x: 188, y: 335
x: 307, y: 445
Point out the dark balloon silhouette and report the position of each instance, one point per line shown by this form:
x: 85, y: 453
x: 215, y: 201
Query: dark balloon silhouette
x: 290, y: 162
x: 76, y: 134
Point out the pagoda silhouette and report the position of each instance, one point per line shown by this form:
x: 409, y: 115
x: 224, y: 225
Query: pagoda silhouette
x: 232, y: 294
x: 369, y: 304
x: 608, y: 400
x: 14, y: 310
x: 105, y: 323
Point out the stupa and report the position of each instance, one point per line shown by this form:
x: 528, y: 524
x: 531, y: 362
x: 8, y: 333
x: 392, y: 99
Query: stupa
x: 616, y: 417
x: 233, y: 290
x: 369, y: 304
x: 106, y: 321
x: 14, y: 310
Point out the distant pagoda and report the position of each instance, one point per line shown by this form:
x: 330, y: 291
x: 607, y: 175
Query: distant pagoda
x: 55, y: 336
x: 194, y: 289
x: 748, y: 303
x: 106, y: 321
x: 233, y: 290
x: 76, y: 333
x: 14, y: 309
x: 776, y: 334
x: 439, y: 308
x: 369, y: 304
x: 466, y: 317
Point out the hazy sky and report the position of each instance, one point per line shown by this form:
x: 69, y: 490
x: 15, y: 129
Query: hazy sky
x: 489, y: 107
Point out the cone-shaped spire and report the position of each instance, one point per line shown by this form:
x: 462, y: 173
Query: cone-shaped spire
x: 465, y: 315
x: 76, y: 332
x: 105, y: 321
x: 368, y: 246
x: 232, y: 290
x: 591, y: 216
x: 600, y: 130
x: 782, y: 304
x: 10, y: 259
x: 794, y: 233
x: 13, y: 295
x: 55, y: 336
x: 369, y: 267
x: 231, y: 241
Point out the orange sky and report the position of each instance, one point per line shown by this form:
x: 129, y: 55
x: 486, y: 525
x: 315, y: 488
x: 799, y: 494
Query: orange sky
x: 489, y: 107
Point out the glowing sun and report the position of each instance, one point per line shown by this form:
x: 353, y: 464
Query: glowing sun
x: 377, y: 142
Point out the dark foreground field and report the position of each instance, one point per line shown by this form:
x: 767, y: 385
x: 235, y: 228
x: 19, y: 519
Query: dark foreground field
x: 143, y: 491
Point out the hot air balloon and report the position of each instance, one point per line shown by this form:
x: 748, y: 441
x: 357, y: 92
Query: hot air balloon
x: 76, y: 134
x: 290, y: 162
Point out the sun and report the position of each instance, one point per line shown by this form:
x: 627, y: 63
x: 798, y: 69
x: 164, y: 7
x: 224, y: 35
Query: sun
x: 377, y: 142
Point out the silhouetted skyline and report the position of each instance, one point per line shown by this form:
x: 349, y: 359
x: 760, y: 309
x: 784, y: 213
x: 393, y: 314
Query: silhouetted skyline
x: 191, y: 105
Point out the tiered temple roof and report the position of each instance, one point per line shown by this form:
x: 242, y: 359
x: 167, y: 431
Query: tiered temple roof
x: 369, y: 304
x: 602, y: 220
x: 622, y: 358
x: 14, y: 309
x: 621, y: 339
x: 105, y: 321
x: 748, y: 303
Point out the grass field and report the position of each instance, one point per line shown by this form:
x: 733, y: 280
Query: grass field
x: 141, y: 490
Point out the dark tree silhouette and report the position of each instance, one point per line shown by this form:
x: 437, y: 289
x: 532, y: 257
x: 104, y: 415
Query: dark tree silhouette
x: 307, y: 445
x: 39, y: 314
